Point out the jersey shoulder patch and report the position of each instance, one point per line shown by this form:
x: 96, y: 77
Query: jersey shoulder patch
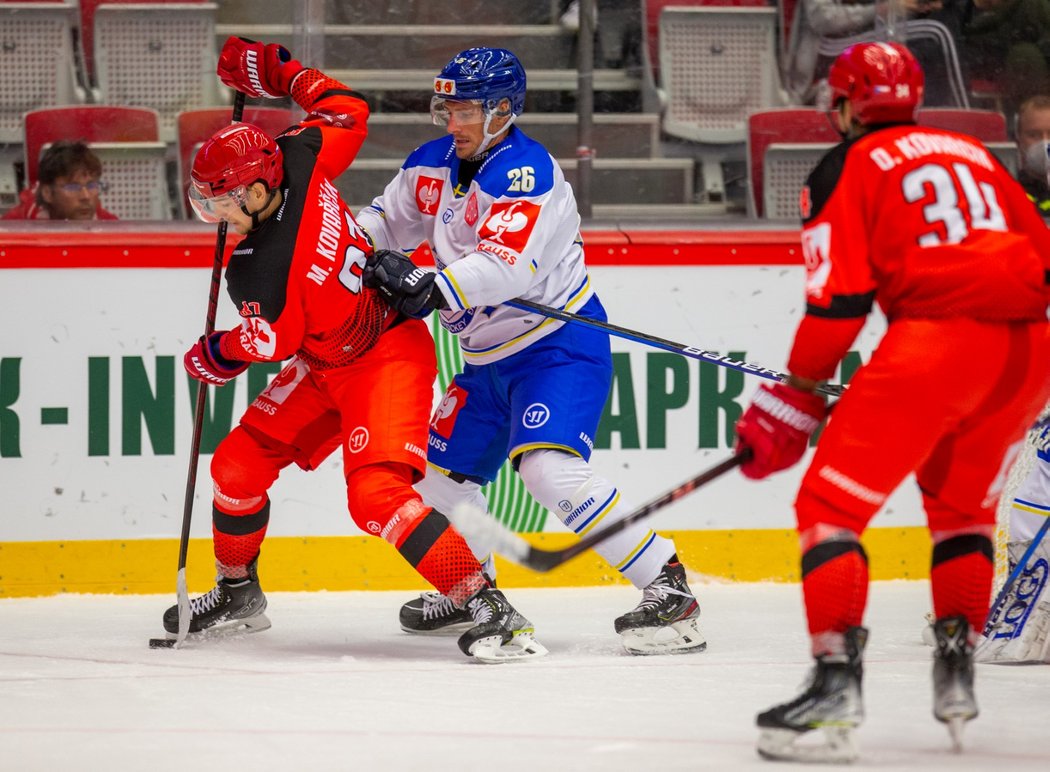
x: 519, y: 166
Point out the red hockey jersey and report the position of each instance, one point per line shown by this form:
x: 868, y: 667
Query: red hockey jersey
x: 927, y: 223
x: 296, y: 279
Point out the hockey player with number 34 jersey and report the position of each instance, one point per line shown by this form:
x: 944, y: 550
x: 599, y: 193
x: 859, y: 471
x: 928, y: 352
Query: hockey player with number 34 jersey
x: 502, y: 223
x: 928, y: 224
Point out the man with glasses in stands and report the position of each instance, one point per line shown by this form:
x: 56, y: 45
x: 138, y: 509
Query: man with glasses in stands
x: 68, y: 187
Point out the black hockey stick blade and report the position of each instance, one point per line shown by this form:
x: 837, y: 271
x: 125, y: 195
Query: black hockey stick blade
x: 829, y: 389
x: 481, y: 528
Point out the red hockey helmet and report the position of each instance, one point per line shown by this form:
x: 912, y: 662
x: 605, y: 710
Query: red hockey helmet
x: 228, y: 163
x: 883, y: 83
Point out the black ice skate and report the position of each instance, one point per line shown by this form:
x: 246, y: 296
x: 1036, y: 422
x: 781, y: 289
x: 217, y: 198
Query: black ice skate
x: 953, y: 699
x: 232, y: 605
x: 434, y: 614
x: 499, y: 633
x: 667, y: 618
x: 831, y: 701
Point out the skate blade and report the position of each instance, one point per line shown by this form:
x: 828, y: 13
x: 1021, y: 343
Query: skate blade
x: 457, y: 628
x: 521, y: 647
x: 955, y: 729
x: 235, y: 628
x: 838, y: 746
x: 676, y: 638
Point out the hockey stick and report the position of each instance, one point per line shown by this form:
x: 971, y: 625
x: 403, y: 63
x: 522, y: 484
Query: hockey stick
x: 993, y: 621
x: 181, y: 590
x: 480, y: 528
x: 830, y: 389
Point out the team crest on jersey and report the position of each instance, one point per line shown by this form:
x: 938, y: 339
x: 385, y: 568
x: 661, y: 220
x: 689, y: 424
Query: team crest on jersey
x: 445, y: 415
x: 258, y: 338
x: 510, y: 224
x: 471, y: 215
x: 284, y: 383
x: 428, y: 194
x: 458, y: 321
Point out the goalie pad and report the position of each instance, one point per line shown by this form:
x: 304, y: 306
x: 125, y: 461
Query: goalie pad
x: 1018, y: 629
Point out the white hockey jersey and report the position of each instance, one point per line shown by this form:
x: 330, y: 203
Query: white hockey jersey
x: 514, y: 231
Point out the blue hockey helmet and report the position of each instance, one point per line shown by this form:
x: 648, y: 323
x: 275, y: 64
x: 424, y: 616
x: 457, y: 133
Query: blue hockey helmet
x: 485, y: 75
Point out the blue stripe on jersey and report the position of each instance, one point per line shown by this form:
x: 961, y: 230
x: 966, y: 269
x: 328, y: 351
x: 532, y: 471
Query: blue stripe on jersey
x: 1031, y: 506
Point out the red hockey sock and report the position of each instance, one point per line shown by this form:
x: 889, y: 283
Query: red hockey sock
x: 442, y: 557
x: 237, y: 539
x: 835, y: 588
x: 961, y: 578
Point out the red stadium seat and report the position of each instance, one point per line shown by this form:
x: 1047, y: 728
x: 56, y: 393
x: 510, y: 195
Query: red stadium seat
x: 793, y: 128
x: 195, y: 126
x: 985, y: 125
x: 88, y: 123
x: 788, y: 125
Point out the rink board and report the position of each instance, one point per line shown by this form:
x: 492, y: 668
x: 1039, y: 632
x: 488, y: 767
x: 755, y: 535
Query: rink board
x: 96, y: 417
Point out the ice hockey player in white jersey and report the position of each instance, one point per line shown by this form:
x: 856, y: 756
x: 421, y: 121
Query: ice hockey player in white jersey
x: 502, y: 223
x: 1018, y: 628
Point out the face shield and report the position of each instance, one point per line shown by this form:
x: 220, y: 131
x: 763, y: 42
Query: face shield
x: 215, y: 209
x: 467, y: 113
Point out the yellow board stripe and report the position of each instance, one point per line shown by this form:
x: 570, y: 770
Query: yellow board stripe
x: 366, y: 563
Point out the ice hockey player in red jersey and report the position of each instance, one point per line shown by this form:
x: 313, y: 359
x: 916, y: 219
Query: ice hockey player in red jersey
x: 929, y: 225
x: 360, y: 378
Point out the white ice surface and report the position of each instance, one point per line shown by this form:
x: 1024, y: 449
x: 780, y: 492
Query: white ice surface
x: 335, y: 685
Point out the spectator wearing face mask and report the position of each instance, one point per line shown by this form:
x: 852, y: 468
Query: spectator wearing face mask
x: 68, y: 188
x: 1033, y: 149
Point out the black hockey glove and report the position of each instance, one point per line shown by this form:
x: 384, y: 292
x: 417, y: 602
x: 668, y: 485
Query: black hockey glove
x: 405, y: 287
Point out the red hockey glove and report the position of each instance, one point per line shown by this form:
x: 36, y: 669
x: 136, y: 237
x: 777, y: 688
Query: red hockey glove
x: 204, y: 362
x: 405, y: 287
x: 257, y: 69
x: 776, y: 428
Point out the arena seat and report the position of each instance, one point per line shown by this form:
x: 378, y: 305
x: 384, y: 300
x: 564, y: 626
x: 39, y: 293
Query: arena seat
x: 717, y: 66
x: 127, y: 141
x: 157, y: 55
x: 39, y: 67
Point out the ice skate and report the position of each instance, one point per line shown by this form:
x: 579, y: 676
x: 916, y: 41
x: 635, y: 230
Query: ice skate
x: 831, y: 701
x: 500, y: 633
x: 434, y: 614
x: 953, y: 698
x: 667, y: 618
x: 235, y: 605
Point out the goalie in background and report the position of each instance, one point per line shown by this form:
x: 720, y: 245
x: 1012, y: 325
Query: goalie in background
x: 360, y: 376
x: 1018, y: 630
x: 930, y: 225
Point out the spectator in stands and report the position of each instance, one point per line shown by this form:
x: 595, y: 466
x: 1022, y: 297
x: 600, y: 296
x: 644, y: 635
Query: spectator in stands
x: 1008, y: 43
x: 823, y: 28
x: 1033, y: 147
x: 68, y: 187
